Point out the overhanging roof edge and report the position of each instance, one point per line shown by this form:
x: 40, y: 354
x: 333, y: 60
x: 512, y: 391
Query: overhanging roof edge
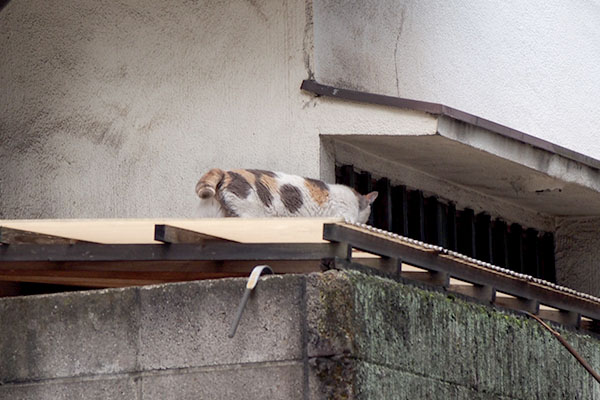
x: 442, y: 110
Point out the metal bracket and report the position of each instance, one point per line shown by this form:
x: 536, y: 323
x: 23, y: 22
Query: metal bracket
x: 251, y: 284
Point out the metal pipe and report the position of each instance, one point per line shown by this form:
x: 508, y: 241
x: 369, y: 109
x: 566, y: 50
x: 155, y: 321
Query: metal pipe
x: 250, y: 285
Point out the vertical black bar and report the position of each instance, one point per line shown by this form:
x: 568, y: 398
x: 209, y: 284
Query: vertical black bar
x: 483, y: 237
x: 451, y: 227
x: 442, y: 224
x: 348, y: 176
x: 530, y: 253
x: 547, y: 265
x: 400, y: 210
x: 383, y: 209
x: 416, y: 215
x: 338, y: 174
x: 430, y: 220
x: 499, y: 244
x: 365, y: 185
x: 515, y: 248
x: 434, y: 222
x: 466, y: 232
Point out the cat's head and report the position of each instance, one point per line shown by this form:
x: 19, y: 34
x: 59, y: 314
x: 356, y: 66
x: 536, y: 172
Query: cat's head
x: 364, y: 206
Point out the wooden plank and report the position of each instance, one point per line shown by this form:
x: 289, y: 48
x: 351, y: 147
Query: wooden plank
x: 19, y: 236
x: 89, y: 252
x: 10, y: 289
x: 562, y: 317
x: 382, y: 244
x: 148, y: 267
x: 143, y: 273
x: 484, y: 293
x: 429, y: 277
x: 390, y: 266
x: 173, y: 234
x: 517, y: 303
x: 590, y: 324
x: 141, y: 231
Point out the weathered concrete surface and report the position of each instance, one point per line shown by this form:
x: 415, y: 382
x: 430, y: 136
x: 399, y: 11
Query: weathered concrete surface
x: 115, y: 109
x: 336, y: 335
x: 379, y: 335
x: 577, y: 246
x: 67, y: 335
x: 92, y: 389
x: 278, y: 381
x: 187, y: 326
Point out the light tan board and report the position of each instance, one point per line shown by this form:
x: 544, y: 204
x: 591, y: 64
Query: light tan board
x: 141, y: 231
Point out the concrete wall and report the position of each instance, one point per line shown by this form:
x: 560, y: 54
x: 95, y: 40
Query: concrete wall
x: 322, y: 336
x: 577, y: 247
x: 532, y: 66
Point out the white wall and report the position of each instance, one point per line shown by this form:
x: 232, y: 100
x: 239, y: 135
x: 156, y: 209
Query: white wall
x: 531, y: 65
x: 115, y: 108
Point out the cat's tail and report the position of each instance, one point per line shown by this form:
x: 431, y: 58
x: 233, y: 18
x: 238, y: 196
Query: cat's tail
x: 207, y: 185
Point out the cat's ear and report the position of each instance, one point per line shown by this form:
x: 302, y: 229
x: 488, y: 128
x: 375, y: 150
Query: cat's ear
x: 371, y: 197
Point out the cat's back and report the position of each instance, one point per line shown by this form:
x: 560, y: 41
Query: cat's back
x: 274, y: 193
x: 262, y: 193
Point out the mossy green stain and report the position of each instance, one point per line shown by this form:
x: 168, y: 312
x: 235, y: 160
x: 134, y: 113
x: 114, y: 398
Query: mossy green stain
x: 450, y: 339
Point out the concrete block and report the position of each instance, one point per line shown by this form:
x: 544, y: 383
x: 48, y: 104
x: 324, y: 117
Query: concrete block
x: 89, y: 389
x: 70, y: 334
x: 186, y: 325
x: 271, y: 381
x: 331, y: 327
x: 378, y: 382
x: 447, y: 339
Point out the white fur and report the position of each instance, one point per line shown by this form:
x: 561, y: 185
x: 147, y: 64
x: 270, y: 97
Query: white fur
x: 210, y: 208
x: 342, y: 202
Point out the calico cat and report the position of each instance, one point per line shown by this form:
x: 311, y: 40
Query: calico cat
x: 258, y: 193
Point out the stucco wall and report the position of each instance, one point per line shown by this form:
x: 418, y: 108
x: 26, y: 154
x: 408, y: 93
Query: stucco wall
x: 115, y: 108
x: 532, y: 66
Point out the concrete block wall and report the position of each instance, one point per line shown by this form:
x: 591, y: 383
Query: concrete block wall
x: 334, y: 335
x: 161, y: 342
